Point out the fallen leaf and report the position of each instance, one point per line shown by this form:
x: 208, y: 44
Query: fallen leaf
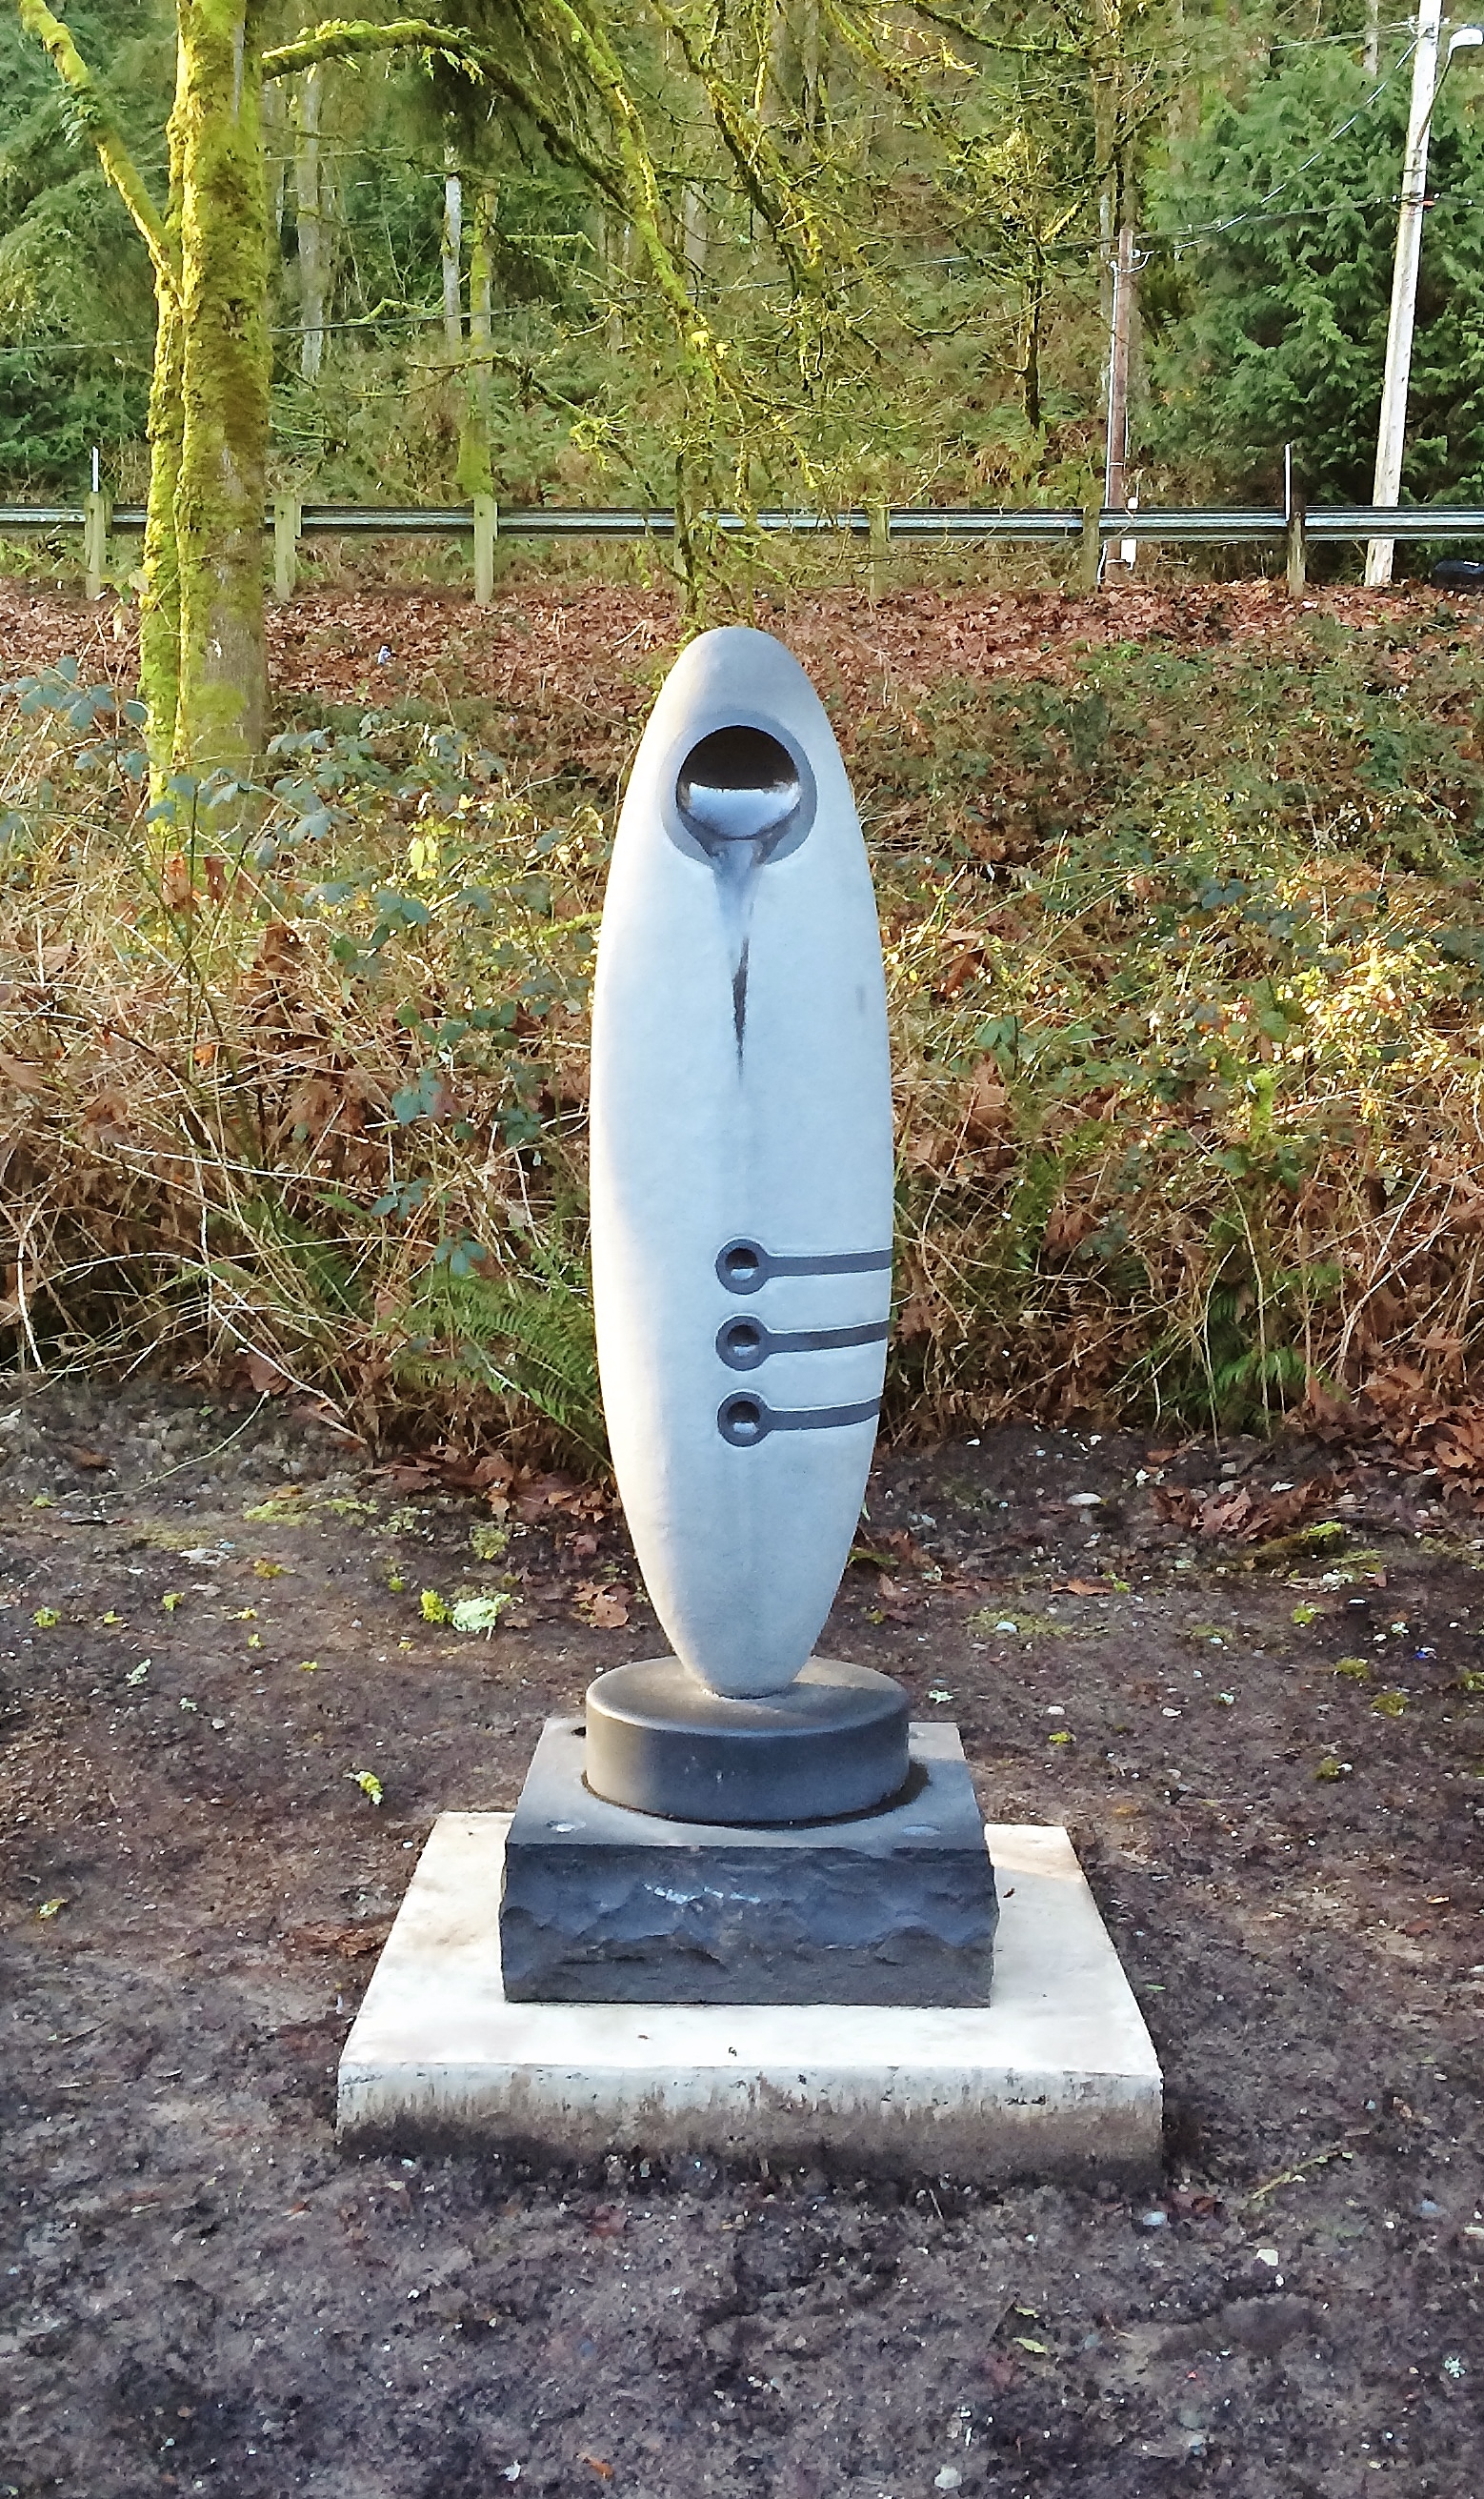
x: 605, y: 1608
x: 596, y: 2464
x: 352, y: 1943
x: 50, y: 1908
x: 175, y: 883
x: 89, y: 1458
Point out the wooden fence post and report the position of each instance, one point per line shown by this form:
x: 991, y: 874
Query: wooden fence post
x: 97, y: 514
x: 1092, y: 546
x: 879, y: 517
x: 288, y: 512
x: 486, y: 532
x: 1298, y: 552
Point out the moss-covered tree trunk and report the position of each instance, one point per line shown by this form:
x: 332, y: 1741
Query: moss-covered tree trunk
x: 221, y: 481
x: 159, y: 605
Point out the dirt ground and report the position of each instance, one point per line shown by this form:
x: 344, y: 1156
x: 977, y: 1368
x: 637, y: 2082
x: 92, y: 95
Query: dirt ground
x: 213, y: 1633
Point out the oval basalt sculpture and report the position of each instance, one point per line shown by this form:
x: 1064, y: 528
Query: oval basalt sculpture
x: 741, y: 1179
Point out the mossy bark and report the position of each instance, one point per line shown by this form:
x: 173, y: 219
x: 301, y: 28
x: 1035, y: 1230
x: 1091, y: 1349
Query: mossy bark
x: 159, y: 605
x: 222, y: 483
x: 474, y: 473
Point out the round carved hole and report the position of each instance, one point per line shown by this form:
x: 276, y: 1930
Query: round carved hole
x: 738, y: 785
x: 742, y: 1344
x: 741, y: 1421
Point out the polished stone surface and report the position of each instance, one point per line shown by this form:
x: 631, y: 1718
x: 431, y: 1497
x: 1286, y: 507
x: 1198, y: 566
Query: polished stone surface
x: 603, y: 1905
x: 832, y: 1742
x: 741, y: 1162
x: 1057, y: 2078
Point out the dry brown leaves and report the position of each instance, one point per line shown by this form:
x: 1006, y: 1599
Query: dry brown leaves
x: 1411, y: 1422
x: 352, y: 1943
x: 1244, y: 1516
x: 602, y: 1605
x: 602, y: 646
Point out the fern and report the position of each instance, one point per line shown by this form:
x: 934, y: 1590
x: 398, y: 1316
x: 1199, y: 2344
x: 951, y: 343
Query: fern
x: 528, y: 1336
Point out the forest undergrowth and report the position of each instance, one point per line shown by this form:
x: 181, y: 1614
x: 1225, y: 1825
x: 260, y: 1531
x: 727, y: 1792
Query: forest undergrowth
x: 1185, y: 949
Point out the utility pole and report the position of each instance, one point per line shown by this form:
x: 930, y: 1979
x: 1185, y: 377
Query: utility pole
x: 1390, y: 440
x: 1125, y: 279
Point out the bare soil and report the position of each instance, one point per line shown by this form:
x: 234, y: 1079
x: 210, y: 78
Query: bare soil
x: 199, y: 2293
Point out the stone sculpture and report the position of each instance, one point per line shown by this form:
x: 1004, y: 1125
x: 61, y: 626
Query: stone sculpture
x: 742, y: 1812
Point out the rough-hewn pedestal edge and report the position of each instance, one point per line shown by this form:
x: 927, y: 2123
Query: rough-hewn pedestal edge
x: 604, y: 1905
x: 1057, y: 2078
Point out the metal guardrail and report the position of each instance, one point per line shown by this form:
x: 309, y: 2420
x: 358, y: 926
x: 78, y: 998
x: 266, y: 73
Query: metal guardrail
x: 1328, y: 523
x: 290, y: 521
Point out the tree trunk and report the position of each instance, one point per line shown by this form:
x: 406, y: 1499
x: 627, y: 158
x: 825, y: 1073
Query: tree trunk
x: 275, y: 146
x: 313, y: 226
x: 453, y: 258
x: 793, y: 79
x: 1032, y: 300
x: 221, y: 491
x: 695, y: 235
x: 474, y: 475
x: 159, y: 605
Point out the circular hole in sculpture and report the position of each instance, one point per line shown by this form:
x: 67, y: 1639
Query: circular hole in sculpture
x: 742, y: 1343
x: 741, y: 1263
x: 741, y: 1421
x: 738, y: 785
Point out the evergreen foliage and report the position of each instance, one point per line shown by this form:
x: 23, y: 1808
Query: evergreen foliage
x: 76, y: 300
x: 1271, y: 318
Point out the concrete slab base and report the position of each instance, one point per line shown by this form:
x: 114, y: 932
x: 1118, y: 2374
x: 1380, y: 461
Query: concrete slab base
x: 1057, y: 2078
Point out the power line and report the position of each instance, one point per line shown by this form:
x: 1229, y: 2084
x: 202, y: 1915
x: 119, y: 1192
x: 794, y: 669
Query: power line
x: 1247, y: 217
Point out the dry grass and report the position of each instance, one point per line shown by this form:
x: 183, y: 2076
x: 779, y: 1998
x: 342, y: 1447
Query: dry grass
x: 1187, y: 971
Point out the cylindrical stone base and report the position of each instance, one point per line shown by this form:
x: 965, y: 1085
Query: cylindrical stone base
x: 833, y: 1743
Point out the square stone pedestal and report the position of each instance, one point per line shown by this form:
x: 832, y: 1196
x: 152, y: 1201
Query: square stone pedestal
x: 605, y: 1905
x: 1056, y: 2078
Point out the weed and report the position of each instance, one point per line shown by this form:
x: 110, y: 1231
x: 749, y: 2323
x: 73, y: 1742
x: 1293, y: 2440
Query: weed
x: 480, y: 1613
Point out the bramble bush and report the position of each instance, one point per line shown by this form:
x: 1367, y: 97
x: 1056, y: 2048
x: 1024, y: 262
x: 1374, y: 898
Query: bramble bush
x: 1186, y: 963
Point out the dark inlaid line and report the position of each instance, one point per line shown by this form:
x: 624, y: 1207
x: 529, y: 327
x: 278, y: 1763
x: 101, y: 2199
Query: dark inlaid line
x: 743, y: 1344
x: 745, y: 1421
